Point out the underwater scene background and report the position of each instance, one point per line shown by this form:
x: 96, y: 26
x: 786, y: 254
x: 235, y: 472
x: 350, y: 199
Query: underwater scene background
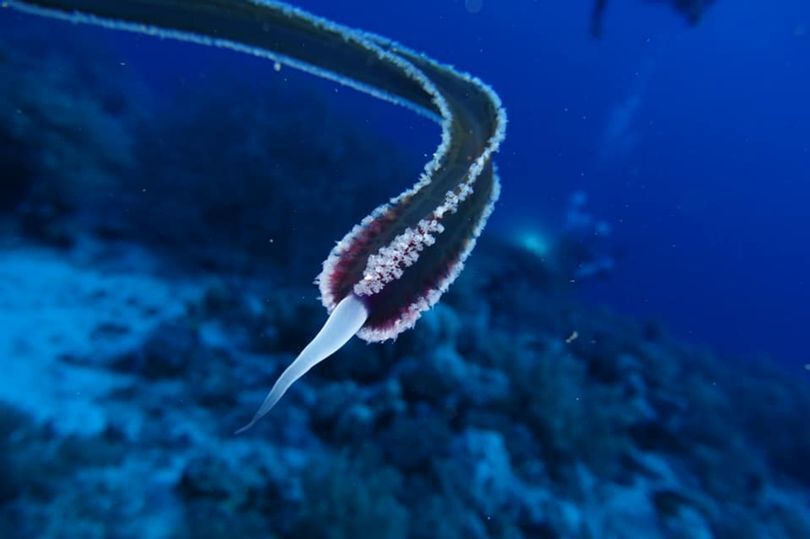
x: 624, y: 354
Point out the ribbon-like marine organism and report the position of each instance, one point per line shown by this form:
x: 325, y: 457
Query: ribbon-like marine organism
x: 399, y: 260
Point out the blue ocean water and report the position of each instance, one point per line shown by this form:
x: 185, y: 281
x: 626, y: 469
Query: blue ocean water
x: 623, y: 356
x: 693, y: 142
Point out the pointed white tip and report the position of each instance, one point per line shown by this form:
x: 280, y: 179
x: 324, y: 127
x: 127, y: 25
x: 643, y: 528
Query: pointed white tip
x: 346, y: 320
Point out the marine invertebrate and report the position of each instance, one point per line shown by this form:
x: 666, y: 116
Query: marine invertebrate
x: 399, y: 260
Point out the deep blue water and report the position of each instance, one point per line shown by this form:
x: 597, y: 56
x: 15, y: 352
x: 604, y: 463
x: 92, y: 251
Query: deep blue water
x: 164, y: 207
x: 692, y: 142
x: 705, y: 174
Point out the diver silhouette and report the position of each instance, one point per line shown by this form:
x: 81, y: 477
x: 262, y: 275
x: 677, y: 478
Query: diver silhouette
x: 693, y: 10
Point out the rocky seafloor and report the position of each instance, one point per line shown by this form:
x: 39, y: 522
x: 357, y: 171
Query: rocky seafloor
x: 146, y: 307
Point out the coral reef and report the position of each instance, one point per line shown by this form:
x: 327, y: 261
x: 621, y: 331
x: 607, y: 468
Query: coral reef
x: 245, y: 204
x: 619, y: 432
x: 77, y: 150
x: 66, y: 131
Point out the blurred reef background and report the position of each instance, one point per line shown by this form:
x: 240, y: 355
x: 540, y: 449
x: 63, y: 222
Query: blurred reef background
x: 160, y: 226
